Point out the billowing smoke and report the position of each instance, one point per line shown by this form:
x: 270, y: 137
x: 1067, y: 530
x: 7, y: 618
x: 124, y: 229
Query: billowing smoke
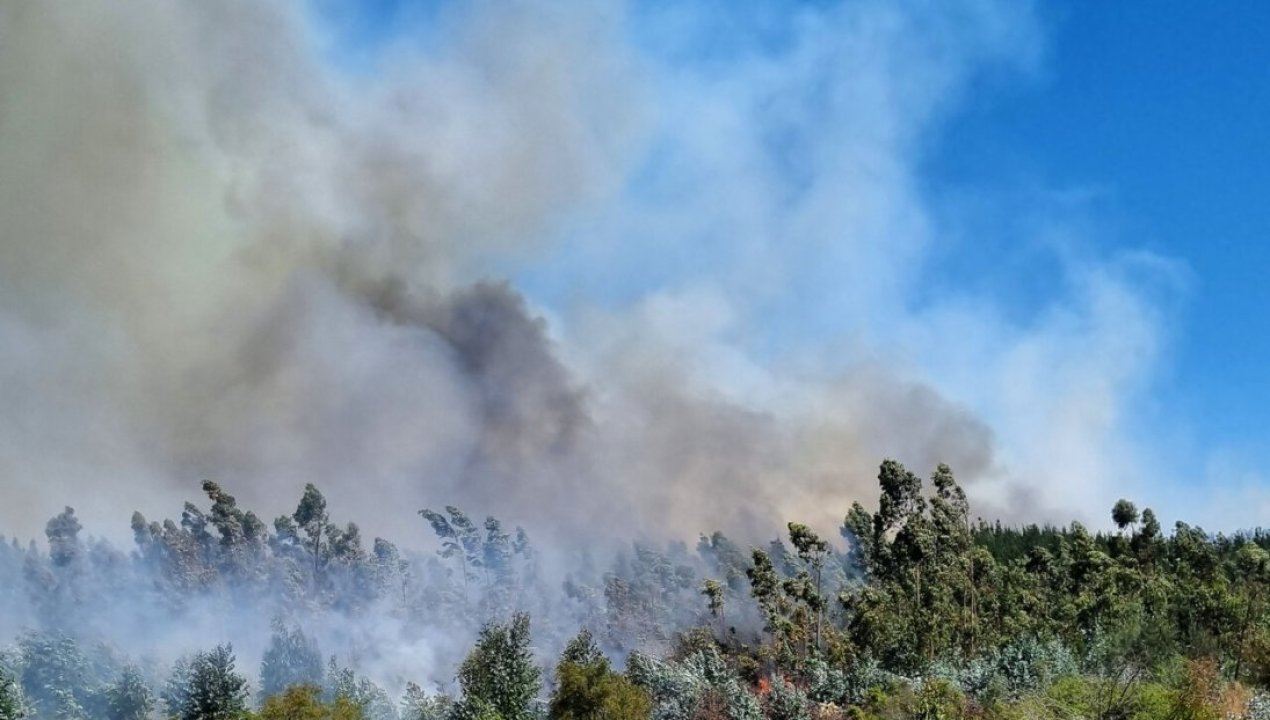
x: 224, y: 259
x: 607, y: 272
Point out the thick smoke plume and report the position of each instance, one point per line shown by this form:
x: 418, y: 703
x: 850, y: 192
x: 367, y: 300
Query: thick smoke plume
x: 223, y: 259
x: 513, y: 259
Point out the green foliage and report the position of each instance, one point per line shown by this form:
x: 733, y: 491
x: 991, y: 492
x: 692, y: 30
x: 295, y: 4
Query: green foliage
x: 206, y: 687
x: 370, y: 699
x: 592, y: 691
x: 857, y: 530
x: 1020, y: 666
x: 63, y: 536
x: 291, y: 659
x: 499, y: 675
x: 1124, y: 513
x: 1154, y: 701
x: 11, y: 706
x: 304, y: 702
x: 775, y: 605
x: 588, y: 689
x: 714, y: 597
x: 60, y: 678
x: 936, y: 617
x: 130, y: 698
x: 418, y: 705
x: 938, y: 700
x: 699, y: 683
x: 925, y: 598
x: 1077, y: 696
x: 849, y: 686
x: 474, y: 709
x: 582, y: 650
x: 785, y: 701
x: 459, y: 538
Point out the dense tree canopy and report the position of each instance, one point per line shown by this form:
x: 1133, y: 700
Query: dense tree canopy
x: 917, y: 611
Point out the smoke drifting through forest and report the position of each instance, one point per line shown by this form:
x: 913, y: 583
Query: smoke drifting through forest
x: 221, y: 258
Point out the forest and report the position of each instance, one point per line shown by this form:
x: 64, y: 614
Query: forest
x: 917, y: 610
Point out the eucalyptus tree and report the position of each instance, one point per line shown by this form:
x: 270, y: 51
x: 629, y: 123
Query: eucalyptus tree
x: 291, y: 658
x: 459, y: 538
x: 499, y: 674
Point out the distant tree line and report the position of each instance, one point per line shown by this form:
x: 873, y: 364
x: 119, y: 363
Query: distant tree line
x: 919, y: 611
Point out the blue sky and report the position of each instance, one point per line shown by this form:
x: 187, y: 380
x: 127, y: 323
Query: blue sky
x: 1162, y: 115
x: 1071, y: 188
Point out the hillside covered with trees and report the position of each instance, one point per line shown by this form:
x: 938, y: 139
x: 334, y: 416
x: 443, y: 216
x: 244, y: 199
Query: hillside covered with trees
x: 916, y: 611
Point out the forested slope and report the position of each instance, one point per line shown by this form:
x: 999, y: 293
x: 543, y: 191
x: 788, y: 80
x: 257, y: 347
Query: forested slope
x: 917, y: 610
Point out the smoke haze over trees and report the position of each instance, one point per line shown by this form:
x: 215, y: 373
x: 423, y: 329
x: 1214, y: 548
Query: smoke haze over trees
x: 230, y: 253
x: 219, y: 611
x: 527, y: 360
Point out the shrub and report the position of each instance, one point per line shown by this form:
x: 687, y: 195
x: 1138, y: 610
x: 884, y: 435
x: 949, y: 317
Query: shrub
x: 700, y: 683
x: 938, y: 700
x: 1258, y: 707
x: 304, y: 702
x: 846, y: 687
x: 592, y: 691
x: 786, y: 702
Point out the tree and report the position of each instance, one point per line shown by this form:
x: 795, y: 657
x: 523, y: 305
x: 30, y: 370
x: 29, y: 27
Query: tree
x: 1147, y: 541
x: 206, y: 687
x: 769, y: 594
x: 63, y: 536
x: 291, y: 659
x: 418, y: 705
x: 242, y: 534
x: 714, y: 599
x: 59, y: 679
x: 304, y: 702
x: 459, y: 538
x: 499, y: 675
x: 10, y: 697
x: 786, y: 701
x: 1253, y: 564
x: 312, y: 519
x: 1124, y: 513
x: 496, y: 556
x: 129, y: 698
x: 857, y: 530
x: 592, y: 691
x: 697, y: 687
x: 371, y: 699
x: 808, y: 583
x: 951, y: 599
x: 582, y: 650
